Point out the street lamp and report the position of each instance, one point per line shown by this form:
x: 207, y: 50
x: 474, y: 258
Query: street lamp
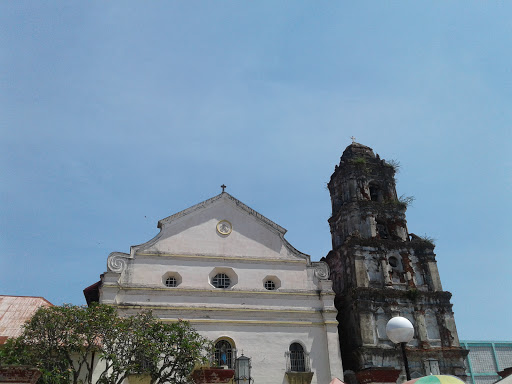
x: 400, y: 331
x: 243, y: 370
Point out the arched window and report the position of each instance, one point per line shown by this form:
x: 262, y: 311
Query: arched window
x: 223, y: 354
x: 297, y: 360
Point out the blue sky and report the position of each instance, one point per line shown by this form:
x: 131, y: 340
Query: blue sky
x: 116, y: 114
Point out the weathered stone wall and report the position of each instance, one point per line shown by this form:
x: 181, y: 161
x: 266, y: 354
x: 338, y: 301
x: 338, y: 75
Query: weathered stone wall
x: 379, y: 271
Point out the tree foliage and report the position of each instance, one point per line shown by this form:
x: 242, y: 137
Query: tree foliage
x: 93, y: 345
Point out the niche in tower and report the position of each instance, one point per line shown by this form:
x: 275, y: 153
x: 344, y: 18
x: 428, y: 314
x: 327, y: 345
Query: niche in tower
x: 382, y: 229
x: 375, y: 191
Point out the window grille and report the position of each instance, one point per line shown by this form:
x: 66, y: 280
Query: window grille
x: 171, y: 282
x: 486, y: 379
x: 270, y: 285
x: 482, y: 359
x: 297, y: 360
x: 145, y: 364
x: 221, y: 280
x: 504, y: 355
x: 224, y: 353
x: 486, y: 359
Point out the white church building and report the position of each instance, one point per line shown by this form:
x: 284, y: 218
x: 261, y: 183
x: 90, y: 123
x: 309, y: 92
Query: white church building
x: 230, y: 272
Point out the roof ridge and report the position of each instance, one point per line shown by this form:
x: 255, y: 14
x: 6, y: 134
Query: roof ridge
x: 209, y: 201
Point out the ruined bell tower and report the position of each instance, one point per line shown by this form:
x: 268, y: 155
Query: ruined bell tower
x: 379, y: 271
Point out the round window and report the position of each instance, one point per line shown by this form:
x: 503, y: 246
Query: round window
x: 393, y: 261
x: 221, y: 280
x: 270, y: 285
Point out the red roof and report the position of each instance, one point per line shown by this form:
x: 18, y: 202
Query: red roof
x: 15, y: 311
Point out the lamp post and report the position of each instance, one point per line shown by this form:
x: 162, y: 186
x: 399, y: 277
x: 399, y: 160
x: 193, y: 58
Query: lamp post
x: 243, y: 370
x: 400, y: 331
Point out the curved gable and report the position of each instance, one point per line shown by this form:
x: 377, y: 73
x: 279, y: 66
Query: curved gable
x: 194, y: 232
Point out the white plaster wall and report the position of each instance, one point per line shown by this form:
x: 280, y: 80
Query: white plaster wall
x: 262, y: 323
x: 196, y: 234
x: 267, y: 345
x: 149, y: 271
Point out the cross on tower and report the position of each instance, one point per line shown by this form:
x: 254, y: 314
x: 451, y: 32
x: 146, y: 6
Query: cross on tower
x: 353, y: 139
x: 223, y: 187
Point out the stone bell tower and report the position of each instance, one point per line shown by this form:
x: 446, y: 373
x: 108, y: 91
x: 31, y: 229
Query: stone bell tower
x: 379, y: 271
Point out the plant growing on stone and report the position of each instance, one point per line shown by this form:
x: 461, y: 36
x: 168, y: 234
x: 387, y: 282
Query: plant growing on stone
x: 428, y: 239
x: 406, y: 200
x: 395, y: 164
x: 359, y: 161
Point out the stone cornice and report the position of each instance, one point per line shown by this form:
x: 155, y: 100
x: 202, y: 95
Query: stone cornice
x: 245, y: 322
x: 258, y: 322
x: 237, y: 309
x: 216, y: 292
x: 421, y: 297
x: 246, y: 259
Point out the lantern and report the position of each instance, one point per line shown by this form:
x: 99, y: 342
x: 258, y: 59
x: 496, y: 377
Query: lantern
x: 243, y: 370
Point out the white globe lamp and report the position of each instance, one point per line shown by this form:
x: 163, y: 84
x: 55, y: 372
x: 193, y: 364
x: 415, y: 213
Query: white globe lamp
x: 400, y: 331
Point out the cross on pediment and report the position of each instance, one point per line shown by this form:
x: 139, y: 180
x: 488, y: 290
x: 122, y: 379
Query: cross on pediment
x: 223, y: 187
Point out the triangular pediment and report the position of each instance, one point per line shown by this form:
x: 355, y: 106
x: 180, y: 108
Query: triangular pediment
x: 221, y: 226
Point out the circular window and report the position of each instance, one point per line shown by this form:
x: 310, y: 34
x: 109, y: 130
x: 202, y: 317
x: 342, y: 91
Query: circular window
x: 270, y: 285
x: 393, y: 261
x: 171, y: 282
x: 221, y: 280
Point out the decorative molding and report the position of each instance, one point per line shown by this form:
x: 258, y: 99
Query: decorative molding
x: 221, y: 257
x: 295, y: 251
x: 224, y: 227
x: 321, y: 270
x: 221, y: 309
x: 215, y: 291
x: 116, y: 261
x: 250, y: 322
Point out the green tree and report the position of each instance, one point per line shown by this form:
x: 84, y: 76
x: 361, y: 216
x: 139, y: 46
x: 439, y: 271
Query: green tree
x: 172, y: 351
x: 62, y: 341
x: 69, y: 343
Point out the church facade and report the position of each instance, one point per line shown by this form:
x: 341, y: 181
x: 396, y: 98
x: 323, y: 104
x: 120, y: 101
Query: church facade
x: 230, y: 272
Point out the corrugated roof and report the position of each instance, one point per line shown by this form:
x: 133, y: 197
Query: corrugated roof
x: 15, y: 311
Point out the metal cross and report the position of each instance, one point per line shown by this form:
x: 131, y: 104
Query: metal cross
x: 353, y: 139
x: 223, y: 187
